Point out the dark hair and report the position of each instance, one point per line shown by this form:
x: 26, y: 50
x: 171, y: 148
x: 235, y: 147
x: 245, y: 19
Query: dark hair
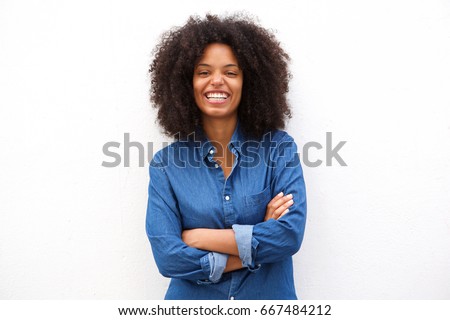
x: 264, y: 63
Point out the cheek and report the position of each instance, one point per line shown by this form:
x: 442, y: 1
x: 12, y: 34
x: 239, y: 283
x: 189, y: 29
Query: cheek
x: 198, y: 87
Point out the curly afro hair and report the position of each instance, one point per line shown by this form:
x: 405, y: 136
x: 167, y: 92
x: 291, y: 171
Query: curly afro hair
x: 263, y: 106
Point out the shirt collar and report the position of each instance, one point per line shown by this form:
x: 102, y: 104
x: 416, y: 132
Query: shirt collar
x: 206, y: 146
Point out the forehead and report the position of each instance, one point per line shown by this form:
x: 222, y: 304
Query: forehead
x: 218, y: 53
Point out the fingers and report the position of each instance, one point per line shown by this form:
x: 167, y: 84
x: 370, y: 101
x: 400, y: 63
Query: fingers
x: 278, y: 206
x: 275, y: 199
x: 281, y: 201
x: 283, y: 208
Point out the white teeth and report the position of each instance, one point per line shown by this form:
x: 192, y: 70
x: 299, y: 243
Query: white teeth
x: 216, y: 95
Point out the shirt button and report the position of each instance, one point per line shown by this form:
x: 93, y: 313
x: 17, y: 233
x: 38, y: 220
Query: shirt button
x: 211, y: 151
x: 227, y: 198
x: 216, y: 165
x: 232, y: 298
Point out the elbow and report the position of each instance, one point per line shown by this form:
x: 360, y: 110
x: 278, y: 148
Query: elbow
x: 296, y: 239
x: 164, y: 261
x: 173, y: 262
x: 161, y: 257
x: 296, y: 244
x: 291, y: 245
x: 164, y: 270
x: 165, y: 267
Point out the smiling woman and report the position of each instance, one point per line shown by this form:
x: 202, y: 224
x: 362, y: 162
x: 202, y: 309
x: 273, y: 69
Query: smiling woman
x: 226, y: 228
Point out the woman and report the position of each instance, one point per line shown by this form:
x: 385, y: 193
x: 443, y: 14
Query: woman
x: 227, y: 205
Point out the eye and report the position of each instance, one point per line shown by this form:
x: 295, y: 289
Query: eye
x: 231, y: 74
x: 203, y: 73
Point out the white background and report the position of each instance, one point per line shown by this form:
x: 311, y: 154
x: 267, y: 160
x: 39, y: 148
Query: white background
x: 374, y: 73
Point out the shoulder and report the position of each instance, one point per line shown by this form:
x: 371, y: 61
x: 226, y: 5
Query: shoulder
x: 272, y: 142
x: 165, y: 156
x: 277, y: 140
x: 282, y: 148
x: 279, y: 136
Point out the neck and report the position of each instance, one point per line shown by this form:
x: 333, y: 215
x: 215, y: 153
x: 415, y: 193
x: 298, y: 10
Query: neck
x: 219, y: 131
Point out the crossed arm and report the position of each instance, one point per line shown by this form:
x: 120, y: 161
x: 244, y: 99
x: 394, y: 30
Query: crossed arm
x: 223, y: 240
x: 190, y: 254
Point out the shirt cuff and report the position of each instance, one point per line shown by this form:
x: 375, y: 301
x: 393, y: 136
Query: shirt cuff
x: 247, y: 245
x: 218, y: 262
x: 213, y: 264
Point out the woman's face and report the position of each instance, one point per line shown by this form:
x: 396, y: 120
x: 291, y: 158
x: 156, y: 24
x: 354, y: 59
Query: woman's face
x: 218, y: 82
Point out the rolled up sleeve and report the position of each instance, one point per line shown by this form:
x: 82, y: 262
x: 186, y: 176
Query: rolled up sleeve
x: 247, y: 245
x: 217, y: 262
x: 275, y: 240
x: 173, y: 257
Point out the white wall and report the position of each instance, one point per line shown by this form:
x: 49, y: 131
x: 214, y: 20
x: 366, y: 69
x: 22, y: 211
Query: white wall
x: 374, y: 73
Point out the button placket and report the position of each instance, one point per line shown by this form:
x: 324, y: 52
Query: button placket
x: 228, y: 204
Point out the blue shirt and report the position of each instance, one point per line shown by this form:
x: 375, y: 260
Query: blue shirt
x: 188, y: 190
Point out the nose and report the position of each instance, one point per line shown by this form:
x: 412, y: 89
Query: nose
x: 217, y: 79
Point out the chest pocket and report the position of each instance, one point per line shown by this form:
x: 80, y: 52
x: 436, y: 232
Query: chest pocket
x: 255, y: 206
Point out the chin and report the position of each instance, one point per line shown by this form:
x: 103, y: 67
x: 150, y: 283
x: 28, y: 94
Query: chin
x: 219, y: 114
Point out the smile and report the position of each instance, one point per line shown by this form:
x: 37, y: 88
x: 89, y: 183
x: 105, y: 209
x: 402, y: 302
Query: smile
x: 217, y: 96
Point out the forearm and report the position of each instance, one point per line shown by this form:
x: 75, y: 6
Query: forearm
x: 218, y: 240
x: 233, y: 263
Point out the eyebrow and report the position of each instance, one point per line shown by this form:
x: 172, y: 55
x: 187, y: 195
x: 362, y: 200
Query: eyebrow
x: 226, y: 66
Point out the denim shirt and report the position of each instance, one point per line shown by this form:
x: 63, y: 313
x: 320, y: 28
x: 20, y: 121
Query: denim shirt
x: 188, y: 190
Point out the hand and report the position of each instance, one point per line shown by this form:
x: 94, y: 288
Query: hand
x: 278, y: 206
